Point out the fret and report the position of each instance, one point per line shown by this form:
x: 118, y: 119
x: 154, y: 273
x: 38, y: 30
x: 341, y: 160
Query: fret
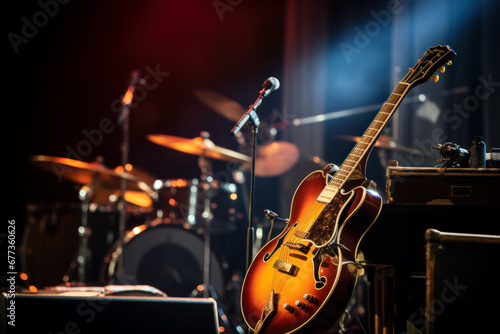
x: 386, y: 106
x: 363, y: 144
x: 394, y: 98
x: 366, y: 142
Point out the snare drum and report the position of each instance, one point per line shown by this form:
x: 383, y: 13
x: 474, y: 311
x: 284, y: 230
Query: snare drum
x: 168, y: 257
x: 193, y: 201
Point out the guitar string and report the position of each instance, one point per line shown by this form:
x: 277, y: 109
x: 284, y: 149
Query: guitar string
x: 337, y: 182
x: 312, y: 214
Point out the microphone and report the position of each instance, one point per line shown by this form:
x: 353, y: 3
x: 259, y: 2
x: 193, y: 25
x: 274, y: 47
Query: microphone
x: 271, y: 84
x: 129, y: 94
x: 270, y: 214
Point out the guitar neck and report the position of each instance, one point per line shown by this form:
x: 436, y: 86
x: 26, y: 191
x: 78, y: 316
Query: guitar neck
x: 365, y: 144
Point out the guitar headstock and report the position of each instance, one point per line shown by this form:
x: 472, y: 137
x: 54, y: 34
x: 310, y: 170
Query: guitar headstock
x: 433, y: 60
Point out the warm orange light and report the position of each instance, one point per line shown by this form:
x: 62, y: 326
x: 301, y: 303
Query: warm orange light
x: 136, y: 230
x: 23, y: 276
x: 172, y: 202
x: 233, y: 196
x: 33, y: 288
x: 222, y: 329
x: 138, y: 198
x: 200, y: 288
x: 129, y: 95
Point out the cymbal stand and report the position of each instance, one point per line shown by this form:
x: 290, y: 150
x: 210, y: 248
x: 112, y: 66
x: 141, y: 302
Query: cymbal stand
x: 206, y: 181
x: 124, y: 120
x: 80, y: 261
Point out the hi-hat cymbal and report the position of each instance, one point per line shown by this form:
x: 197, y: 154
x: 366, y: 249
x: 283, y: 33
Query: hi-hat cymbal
x: 275, y: 158
x: 86, y: 173
x: 198, y: 146
x: 221, y: 104
x: 385, y: 142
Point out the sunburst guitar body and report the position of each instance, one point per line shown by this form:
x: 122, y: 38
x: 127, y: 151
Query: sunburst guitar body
x: 300, y: 282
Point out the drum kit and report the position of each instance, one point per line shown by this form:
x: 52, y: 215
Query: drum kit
x: 171, y: 249
x: 167, y: 242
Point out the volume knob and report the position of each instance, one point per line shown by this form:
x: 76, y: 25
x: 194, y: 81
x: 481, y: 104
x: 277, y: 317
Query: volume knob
x: 302, y: 305
x: 310, y: 298
x: 289, y: 308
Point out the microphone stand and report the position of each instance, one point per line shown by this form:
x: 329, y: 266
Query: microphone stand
x: 251, y: 118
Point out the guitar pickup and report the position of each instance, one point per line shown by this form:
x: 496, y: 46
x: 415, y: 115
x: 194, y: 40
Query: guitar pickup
x: 299, y: 247
x: 285, y: 267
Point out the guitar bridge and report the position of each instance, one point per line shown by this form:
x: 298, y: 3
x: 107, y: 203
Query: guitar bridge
x: 285, y: 267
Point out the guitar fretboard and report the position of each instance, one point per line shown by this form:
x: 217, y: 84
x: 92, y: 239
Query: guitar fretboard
x: 365, y: 144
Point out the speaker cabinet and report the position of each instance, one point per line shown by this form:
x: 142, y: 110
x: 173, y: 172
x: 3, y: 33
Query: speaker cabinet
x: 57, y: 314
x: 462, y: 289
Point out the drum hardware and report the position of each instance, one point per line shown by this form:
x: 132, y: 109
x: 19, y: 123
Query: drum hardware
x: 417, y: 98
x: 124, y: 121
x: 205, y: 149
x: 94, y: 177
x: 206, y: 176
x: 198, y: 146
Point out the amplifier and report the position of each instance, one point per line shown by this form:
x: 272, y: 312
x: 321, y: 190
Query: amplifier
x: 466, y: 186
x: 462, y: 290
x: 62, y: 313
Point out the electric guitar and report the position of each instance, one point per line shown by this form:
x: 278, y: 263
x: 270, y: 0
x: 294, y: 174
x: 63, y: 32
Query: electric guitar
x: 303, y: 279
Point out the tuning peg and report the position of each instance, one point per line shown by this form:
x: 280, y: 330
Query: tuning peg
x: 435, y: 77
x: 449, y: 62
x: 442, y: 69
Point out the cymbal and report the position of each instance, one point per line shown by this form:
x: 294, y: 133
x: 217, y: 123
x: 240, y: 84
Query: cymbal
x: 198, y: 146
x: 275, y: 158
x: 139, y: 173
x: 221, y: 104
x: 86, y: 173
x: 385, y: 142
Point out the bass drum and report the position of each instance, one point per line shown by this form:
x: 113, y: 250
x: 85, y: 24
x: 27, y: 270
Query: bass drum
x: 165, y: 256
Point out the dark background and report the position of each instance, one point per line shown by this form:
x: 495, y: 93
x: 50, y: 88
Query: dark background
x: 65, y: 77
